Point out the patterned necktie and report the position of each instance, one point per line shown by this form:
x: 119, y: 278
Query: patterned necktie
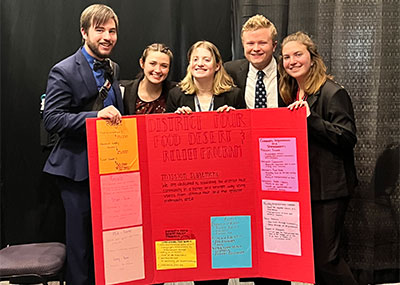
x: 261, y: 94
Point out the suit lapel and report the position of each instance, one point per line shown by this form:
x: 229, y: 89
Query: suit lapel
x: 188, y: 100
x: 242, y: 76
x: 86, y: 72
x: 131, y: 90
x: 219, y: 101
x: 313, y: 98
x: 90, y: 82
x: 281, y: 103
x: 118, y: 96
x: 116, y: 88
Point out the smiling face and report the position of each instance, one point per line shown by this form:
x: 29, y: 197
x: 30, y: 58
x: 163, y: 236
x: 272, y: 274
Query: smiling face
x: 155, y: 67
x: 258, y: 47
x: 100, y: 39
x: 296, y: 60
x: 203, y: 64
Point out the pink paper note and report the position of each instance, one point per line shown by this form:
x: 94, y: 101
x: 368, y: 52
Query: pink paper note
x: 281, y: 225
x: 123, y: 255
x: 121, y: 200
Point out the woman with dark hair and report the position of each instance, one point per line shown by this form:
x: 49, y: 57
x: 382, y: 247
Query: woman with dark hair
x: 206, y: 86
x: 331, y: 139
x: 147, y: 93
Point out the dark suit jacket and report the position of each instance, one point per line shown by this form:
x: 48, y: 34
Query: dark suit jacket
x: 70, y: 89
x: 177, y: 98
x: 331, y: 139
x: 131, y: 93
x: 238, y: 70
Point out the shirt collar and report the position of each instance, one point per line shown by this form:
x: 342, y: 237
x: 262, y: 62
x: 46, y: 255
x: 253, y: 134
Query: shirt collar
x: 268, y: 70
x: 88, y: 57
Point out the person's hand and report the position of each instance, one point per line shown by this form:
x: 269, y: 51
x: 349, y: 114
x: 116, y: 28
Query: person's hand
x: 298, y: 104
x: 225, y: 108
x: 110, y: 113
x: 183, y: 110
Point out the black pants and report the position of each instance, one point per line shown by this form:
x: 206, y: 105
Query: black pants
x: 78, y: 231
x: 328, y: 219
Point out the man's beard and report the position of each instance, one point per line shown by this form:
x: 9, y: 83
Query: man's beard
x: 96, y: 51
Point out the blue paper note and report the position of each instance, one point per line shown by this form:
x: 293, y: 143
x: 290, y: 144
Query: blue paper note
x: 231, y: 242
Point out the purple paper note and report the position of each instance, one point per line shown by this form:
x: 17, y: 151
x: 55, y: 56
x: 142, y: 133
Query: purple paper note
x: 278, y: 164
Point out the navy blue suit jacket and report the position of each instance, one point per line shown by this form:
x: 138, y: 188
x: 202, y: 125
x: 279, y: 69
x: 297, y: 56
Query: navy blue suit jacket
x: 71, y: 87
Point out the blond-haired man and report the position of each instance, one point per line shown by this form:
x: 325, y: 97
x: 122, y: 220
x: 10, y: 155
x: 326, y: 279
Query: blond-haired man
x: 259, y: 39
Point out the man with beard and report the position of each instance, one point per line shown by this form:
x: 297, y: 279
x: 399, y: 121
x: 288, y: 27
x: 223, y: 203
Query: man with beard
x: 81, y: 86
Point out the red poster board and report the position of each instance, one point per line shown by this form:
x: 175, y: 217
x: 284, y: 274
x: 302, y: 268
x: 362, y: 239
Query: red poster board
x: 200, y: 197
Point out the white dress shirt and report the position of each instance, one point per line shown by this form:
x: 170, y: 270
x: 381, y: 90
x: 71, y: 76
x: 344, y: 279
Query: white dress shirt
x: 270, y: 82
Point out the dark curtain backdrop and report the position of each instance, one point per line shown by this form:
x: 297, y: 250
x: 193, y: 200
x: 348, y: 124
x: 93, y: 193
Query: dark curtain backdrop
x: 360, y: 43
x: 37, y: 34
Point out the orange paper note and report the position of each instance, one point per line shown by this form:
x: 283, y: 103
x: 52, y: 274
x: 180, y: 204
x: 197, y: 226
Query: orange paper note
x: 117, y: 145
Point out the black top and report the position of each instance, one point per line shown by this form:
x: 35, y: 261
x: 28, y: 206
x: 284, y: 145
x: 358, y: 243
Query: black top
x: 176, y: 99
x: 331, y: 139
x: 131, y: 93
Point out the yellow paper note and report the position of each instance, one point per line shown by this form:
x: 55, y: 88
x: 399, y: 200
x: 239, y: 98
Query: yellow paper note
x: 117, y: 146
x: 176, y: 254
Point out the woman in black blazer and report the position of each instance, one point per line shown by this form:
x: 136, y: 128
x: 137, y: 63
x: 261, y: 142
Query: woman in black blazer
x: 331, y: 139
x: 148, y: 93
x: 206, y: 86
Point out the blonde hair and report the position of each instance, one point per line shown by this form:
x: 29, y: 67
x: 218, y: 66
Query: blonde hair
x: 259, y: 22
x: 316, y: 76
x: 97, y: 14
x: 222, y: 81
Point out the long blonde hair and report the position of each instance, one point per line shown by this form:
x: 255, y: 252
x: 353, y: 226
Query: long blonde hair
x: 316, y: 76
x: 222, y: 81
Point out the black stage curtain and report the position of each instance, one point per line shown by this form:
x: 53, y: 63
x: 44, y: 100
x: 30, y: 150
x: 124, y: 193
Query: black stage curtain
x: 37, y: 34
